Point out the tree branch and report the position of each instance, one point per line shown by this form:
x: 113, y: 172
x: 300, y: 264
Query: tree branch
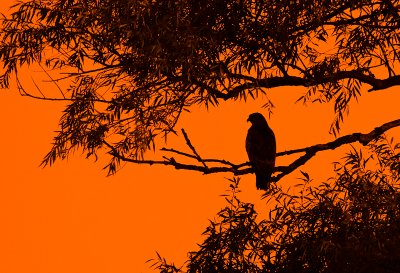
x: 245, y: 168
x: 279, y: 81
x: 24, y: 93
x: 188, y: 143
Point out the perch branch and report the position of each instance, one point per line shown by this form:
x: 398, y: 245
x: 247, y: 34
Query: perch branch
x: 245, y: 168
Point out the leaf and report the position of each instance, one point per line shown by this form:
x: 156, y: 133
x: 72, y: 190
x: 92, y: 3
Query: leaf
x: 306, y: 175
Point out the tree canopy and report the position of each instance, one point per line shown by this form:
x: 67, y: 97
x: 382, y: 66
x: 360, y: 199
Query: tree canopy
x: 133, y: 66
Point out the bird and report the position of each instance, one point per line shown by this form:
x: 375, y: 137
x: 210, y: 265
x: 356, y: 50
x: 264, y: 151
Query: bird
x: 261, y: 149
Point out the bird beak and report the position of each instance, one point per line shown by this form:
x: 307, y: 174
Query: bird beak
x: 248, y: 119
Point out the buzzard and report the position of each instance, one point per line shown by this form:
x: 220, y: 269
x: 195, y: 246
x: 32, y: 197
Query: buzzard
x: 261, y: 149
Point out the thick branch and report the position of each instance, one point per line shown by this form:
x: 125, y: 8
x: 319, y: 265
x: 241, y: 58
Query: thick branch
x: 271, y: 82
x: 244, y: 168
x: 279, y: 81
x: 364, y: 139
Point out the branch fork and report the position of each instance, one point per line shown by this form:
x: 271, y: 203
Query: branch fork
x: 245, y: 168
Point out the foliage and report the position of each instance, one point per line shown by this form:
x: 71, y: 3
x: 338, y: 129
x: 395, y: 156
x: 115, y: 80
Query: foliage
x: 351, y: 223
x: 134, y: 65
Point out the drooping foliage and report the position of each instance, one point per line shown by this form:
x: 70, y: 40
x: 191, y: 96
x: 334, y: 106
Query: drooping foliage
x: 350, y: 224
x: 134, y: 65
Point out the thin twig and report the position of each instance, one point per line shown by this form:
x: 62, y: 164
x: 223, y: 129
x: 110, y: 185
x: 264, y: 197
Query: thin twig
x: 171, y: 150
x: 198, y: 157
x: 244, y: 168
x: 25, y: 93
x: 52, y: 80
x: 210, y: 160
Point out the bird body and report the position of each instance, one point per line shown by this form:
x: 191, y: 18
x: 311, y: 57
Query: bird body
x: 261, y: 149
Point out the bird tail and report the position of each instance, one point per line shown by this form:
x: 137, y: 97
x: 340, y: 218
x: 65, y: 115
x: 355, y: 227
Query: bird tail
x: 263, y: 181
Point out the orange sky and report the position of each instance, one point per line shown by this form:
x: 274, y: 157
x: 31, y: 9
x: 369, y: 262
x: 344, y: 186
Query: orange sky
x: 72, y: 218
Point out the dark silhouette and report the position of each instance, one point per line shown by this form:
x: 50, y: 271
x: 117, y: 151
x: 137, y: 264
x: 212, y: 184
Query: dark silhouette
x: 261, y: 149
x: 349, y: 223
x: 132, y: 67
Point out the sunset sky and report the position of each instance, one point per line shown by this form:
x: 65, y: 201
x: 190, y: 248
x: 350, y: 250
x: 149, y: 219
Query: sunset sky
x: 70, y: 217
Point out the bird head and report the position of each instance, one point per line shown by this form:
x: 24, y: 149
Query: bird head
x: 257, y: 119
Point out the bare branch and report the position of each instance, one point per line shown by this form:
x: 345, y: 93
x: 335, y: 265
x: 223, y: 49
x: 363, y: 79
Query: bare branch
x: 197, y: 156
x: 52, y: 80
x: 23, y: 92
x: 244, y: 168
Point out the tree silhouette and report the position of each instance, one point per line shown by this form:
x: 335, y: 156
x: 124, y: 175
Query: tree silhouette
x: 134, y: 66
x: 350, y: 223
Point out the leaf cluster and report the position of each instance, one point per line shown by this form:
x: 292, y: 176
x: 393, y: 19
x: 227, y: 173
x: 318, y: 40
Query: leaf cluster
x: 138, y: 64
x: 351, y: 223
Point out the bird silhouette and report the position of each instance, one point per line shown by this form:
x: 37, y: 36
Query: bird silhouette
x: 261, y: 149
